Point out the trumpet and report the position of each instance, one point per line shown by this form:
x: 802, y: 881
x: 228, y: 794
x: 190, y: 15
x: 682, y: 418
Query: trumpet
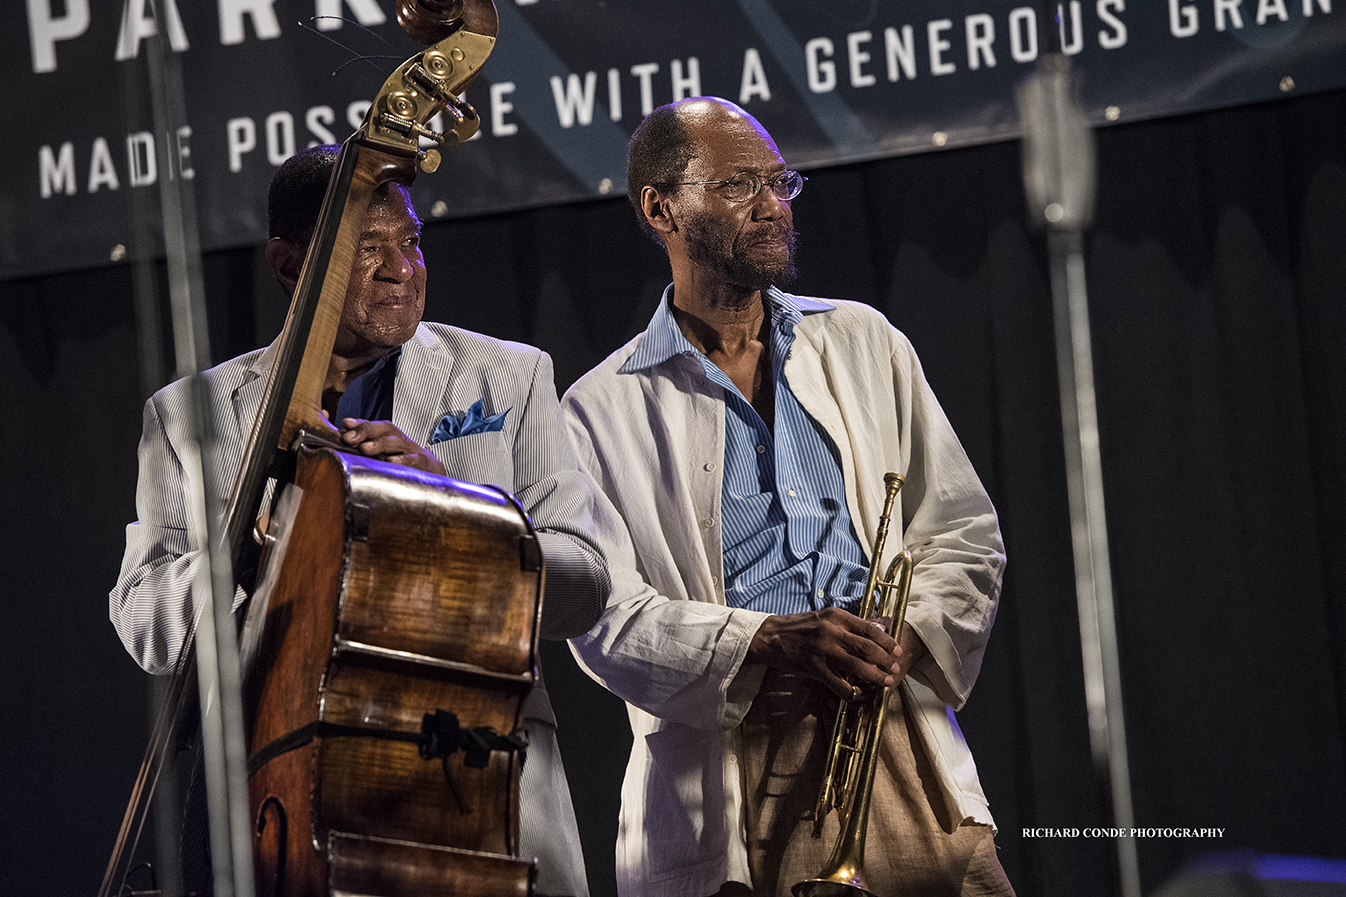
x: 848, y: 781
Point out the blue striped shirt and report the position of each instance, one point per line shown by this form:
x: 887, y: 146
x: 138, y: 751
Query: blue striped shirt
x: 789, y: 543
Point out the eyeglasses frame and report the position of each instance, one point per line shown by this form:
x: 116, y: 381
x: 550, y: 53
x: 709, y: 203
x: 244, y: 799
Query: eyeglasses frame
x: 760, y: 181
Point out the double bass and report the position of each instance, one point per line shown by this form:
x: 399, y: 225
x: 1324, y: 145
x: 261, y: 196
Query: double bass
x: 390, y: 639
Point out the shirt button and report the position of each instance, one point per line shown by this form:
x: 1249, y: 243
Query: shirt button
x: 790, y: 492
x: 761, y: 449
x: 820, y: 593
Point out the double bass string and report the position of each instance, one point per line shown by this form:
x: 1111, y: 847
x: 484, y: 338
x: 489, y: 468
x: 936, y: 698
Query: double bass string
x: 356, y: 56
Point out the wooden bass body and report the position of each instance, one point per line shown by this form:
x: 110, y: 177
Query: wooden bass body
x: 387, y: 594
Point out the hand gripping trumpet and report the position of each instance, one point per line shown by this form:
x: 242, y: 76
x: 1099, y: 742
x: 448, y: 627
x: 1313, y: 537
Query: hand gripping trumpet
x: 853, y: 759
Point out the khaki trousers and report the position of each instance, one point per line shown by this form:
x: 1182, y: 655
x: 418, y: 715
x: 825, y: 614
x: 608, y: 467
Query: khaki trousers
x: 786, y: 737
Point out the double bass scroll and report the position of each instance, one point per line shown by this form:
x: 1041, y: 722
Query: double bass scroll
x: 385, y: 149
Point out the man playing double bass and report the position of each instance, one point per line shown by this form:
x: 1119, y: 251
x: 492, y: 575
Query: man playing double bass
x: 426, y: 395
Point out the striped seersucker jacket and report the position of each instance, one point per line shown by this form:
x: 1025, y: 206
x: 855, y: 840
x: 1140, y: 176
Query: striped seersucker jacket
x: 442, y: 370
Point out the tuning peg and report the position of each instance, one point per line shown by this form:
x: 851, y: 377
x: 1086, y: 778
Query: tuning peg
x: 428, y: 160
x: 429, y: 21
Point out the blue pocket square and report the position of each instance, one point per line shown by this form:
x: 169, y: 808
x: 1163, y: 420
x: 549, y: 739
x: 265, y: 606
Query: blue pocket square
x: 472, y: 420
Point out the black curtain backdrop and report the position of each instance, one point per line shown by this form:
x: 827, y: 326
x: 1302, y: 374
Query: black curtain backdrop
x: 1217, y: 279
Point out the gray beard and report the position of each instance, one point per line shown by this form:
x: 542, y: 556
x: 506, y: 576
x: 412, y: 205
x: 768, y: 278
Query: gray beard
x: 709, y: 246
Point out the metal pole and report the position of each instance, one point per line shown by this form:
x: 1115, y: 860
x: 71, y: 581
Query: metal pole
x: 216, y: 638
x: 1059, y: 181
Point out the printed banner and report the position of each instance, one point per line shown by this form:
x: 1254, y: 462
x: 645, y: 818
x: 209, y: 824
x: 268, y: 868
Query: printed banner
x: 834, y: 81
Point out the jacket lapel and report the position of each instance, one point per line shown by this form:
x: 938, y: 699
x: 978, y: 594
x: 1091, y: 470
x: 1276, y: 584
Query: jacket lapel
x: 247, y: 396
x: 808, y: 372
x: 421, y: 387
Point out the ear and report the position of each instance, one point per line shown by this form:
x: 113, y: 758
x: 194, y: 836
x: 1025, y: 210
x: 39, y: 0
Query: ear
x: 655, y: 205
x: 286, y: 259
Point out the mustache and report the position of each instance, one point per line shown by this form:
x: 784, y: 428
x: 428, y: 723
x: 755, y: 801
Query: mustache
x: 770, y: 232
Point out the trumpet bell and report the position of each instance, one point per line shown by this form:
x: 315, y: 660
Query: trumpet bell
x: 844, y: 883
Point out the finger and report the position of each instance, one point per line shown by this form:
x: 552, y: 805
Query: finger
x: 387, y: 447
x: 871, y: 630
x: 420, y: 460
x: 877, y: 632
x: 374, y: 427
x: 872, y: 646
x: 839, y: 685
x: 849, y: 687
x: 845, y: 657
x: 369, y: 428
x: 866, y: 675
x: 388, y: 438
x: 374, y: 448
x: 354, y: 430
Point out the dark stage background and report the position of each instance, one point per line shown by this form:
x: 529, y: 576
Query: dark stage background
x: 1217, y: 276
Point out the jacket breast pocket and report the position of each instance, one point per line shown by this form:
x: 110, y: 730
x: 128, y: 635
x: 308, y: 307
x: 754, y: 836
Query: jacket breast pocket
x: 478, y: 458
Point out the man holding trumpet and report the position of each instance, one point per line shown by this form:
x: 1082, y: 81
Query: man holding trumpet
x: 742, y: 441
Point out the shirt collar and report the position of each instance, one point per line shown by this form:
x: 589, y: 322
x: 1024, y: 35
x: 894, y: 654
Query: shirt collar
x: 663, y: 338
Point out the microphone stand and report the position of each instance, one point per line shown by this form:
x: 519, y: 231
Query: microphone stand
x: 215, y: 639
x: 1059, y: 176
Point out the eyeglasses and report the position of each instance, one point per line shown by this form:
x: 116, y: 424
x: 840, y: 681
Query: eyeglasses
x: 746, y: 185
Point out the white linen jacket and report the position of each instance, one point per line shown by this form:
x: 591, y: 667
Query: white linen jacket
x: 667, y: 644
